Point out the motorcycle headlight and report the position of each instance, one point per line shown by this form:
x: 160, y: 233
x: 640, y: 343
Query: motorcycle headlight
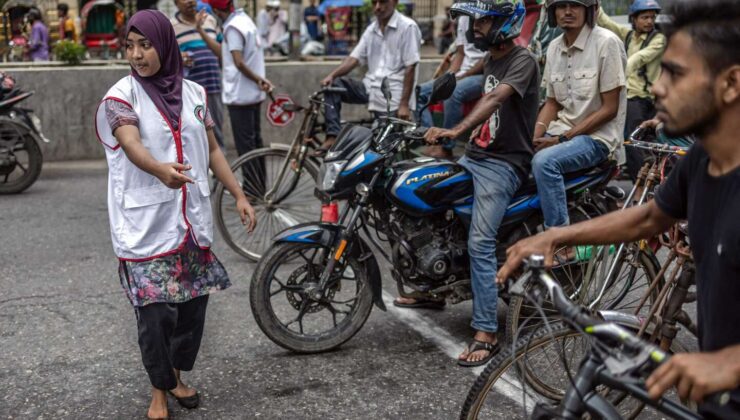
x: 329, y: 173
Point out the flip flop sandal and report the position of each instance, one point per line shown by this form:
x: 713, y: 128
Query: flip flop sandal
x: 187, y: 402
x: 476, y: 345
x: 422, y: 304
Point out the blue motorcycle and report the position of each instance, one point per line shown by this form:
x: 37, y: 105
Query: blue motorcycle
x: 314, y: 288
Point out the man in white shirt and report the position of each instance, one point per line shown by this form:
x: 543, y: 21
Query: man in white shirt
x: 244, y: 83
x: 272, y: 24
x: 467, y: 64
x: 390, y: 48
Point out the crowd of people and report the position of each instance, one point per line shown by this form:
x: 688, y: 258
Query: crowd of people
x: 601, y: 80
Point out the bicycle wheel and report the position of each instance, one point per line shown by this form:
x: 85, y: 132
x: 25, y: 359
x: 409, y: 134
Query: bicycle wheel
x: 501, y: 389
x: 584, y: 281
x: 291, y: 203
x: 539, y: 359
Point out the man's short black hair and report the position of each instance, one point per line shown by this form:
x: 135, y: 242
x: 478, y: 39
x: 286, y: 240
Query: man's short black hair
x: 62, y: 7
x: 714, y: 27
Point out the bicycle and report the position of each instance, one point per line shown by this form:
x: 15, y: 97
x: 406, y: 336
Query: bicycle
x: 614, y: 361
x: 612, y: 272
x: 279, y: 181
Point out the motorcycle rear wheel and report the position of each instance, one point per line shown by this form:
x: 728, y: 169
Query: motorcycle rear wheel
x: 303, y: 324
x: 27, y: 155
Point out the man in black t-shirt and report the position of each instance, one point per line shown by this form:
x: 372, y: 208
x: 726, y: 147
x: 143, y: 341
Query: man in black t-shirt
x: 499, y: 154
x: 697, y: 93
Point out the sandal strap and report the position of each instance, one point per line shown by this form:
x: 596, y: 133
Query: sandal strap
x: 477, y: 345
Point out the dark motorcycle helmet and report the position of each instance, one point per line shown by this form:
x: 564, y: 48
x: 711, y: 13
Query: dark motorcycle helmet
x: 591, y: 7
x: 508, y: 18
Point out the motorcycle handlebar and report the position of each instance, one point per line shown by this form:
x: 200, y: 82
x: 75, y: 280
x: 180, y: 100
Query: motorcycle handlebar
x: 417, y: 136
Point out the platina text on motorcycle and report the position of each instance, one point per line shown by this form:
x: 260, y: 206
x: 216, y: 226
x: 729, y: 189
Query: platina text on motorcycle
x: 315, y: 286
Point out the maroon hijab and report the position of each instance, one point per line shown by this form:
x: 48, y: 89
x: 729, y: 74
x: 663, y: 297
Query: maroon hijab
x: 165, y: 87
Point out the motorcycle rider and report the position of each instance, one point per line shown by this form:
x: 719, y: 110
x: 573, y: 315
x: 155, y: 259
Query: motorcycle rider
x: 498, y: 154
x: 390, y: 48
x: 697, y: 93
x: 582, y: 121
x: 644, y: 45
x: 467, y: 65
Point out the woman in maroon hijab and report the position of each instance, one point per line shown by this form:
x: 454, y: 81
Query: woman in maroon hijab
x: 159, y: 143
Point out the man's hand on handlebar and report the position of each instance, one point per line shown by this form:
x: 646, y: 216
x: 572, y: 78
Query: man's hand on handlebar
x: 696, y: 375
x: 650, y: 124
x: 404, y: 112
x: 542, y: 244
x: 327, y: 81
x: 435, y: 134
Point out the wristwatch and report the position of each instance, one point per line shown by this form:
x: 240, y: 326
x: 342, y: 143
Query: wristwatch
x: 562, y: 138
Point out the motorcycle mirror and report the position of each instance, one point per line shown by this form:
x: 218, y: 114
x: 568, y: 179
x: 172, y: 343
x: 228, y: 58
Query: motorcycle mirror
x: 443, y: 87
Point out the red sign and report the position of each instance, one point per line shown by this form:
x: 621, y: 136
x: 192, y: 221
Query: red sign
x: 276, y: 115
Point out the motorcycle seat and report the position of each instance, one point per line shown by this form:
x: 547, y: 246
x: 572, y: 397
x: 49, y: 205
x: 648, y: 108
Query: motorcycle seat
x: 529, y: 187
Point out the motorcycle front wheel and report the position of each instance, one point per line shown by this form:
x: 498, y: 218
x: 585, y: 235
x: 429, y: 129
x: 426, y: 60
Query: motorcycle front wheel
x: 286, y: 308
x: 20, y: 158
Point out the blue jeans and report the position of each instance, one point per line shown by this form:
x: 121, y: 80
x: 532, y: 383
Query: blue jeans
x: 494, y: 184
x: 466, y: 90
x: 549, y: 165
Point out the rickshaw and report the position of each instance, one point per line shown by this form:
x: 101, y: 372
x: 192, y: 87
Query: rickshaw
x: 102, y: 24
x: 14, y: 39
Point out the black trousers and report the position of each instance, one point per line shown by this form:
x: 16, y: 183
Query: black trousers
x: 638, y: 110
x: 169, y: 338
x: 245, y: 124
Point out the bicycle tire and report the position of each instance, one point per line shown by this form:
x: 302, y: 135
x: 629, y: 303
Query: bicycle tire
x: 230, y: 227
x: 504, y: 361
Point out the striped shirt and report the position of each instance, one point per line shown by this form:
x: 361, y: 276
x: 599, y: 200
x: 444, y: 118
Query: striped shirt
x: 206, y: 70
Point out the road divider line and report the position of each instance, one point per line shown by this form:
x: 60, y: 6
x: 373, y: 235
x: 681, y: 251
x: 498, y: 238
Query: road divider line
x: 508, y: 387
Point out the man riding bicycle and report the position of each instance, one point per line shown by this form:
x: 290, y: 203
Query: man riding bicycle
x: 697, y: 93
x: 498, y: 155
x: 390, y: 48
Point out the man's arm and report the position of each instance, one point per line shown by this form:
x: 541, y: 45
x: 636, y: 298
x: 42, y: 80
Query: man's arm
x: 650, y: 53
x: 607, y: 112
x: 547, y: 114
x: 697, y: 375
x: 409, y: 76
x: 263, y: 83
x: 212, y: 44
x: 607, y: 23
x: 486, y: 106
x: 457, y: 59
x: 616, y: 227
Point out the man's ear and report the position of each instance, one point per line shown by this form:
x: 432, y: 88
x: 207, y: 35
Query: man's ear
x: 730, y: 85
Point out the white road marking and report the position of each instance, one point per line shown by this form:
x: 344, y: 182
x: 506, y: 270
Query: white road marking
x: 508, y: 387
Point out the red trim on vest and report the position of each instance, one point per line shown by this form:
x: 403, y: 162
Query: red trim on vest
x: 168, y: 253
x: 97, y: 133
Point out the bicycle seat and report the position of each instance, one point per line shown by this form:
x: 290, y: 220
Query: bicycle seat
x: 529, y: 186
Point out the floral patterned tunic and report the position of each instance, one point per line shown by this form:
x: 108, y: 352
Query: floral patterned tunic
x: 176, y: 278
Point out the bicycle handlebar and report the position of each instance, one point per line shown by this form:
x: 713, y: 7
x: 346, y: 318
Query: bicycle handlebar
x: 577, y: 316
x: 639, y: 133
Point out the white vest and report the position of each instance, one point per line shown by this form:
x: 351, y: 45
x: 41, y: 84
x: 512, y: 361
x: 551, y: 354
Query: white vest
x: 147, y: 219
x: 237, y: 88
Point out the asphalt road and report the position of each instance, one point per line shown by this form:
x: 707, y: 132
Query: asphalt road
x: 68, y: 337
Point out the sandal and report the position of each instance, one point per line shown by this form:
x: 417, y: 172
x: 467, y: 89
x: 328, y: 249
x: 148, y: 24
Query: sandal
x: 477, y: 345
x: 421, y: 304
x: 190, y: 402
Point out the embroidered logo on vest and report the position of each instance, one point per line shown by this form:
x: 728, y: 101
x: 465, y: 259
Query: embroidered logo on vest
x: 200, y: 114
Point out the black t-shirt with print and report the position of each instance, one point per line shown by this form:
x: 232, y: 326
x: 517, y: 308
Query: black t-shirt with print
x: 507, y: 134
x: 712, y: 207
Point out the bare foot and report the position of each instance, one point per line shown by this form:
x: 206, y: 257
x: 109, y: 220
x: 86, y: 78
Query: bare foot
x: 479, y: 355
x: 405, y: 301
x: 158, y: 406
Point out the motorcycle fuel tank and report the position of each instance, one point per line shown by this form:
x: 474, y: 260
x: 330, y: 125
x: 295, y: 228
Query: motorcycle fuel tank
x: 427, y: 185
